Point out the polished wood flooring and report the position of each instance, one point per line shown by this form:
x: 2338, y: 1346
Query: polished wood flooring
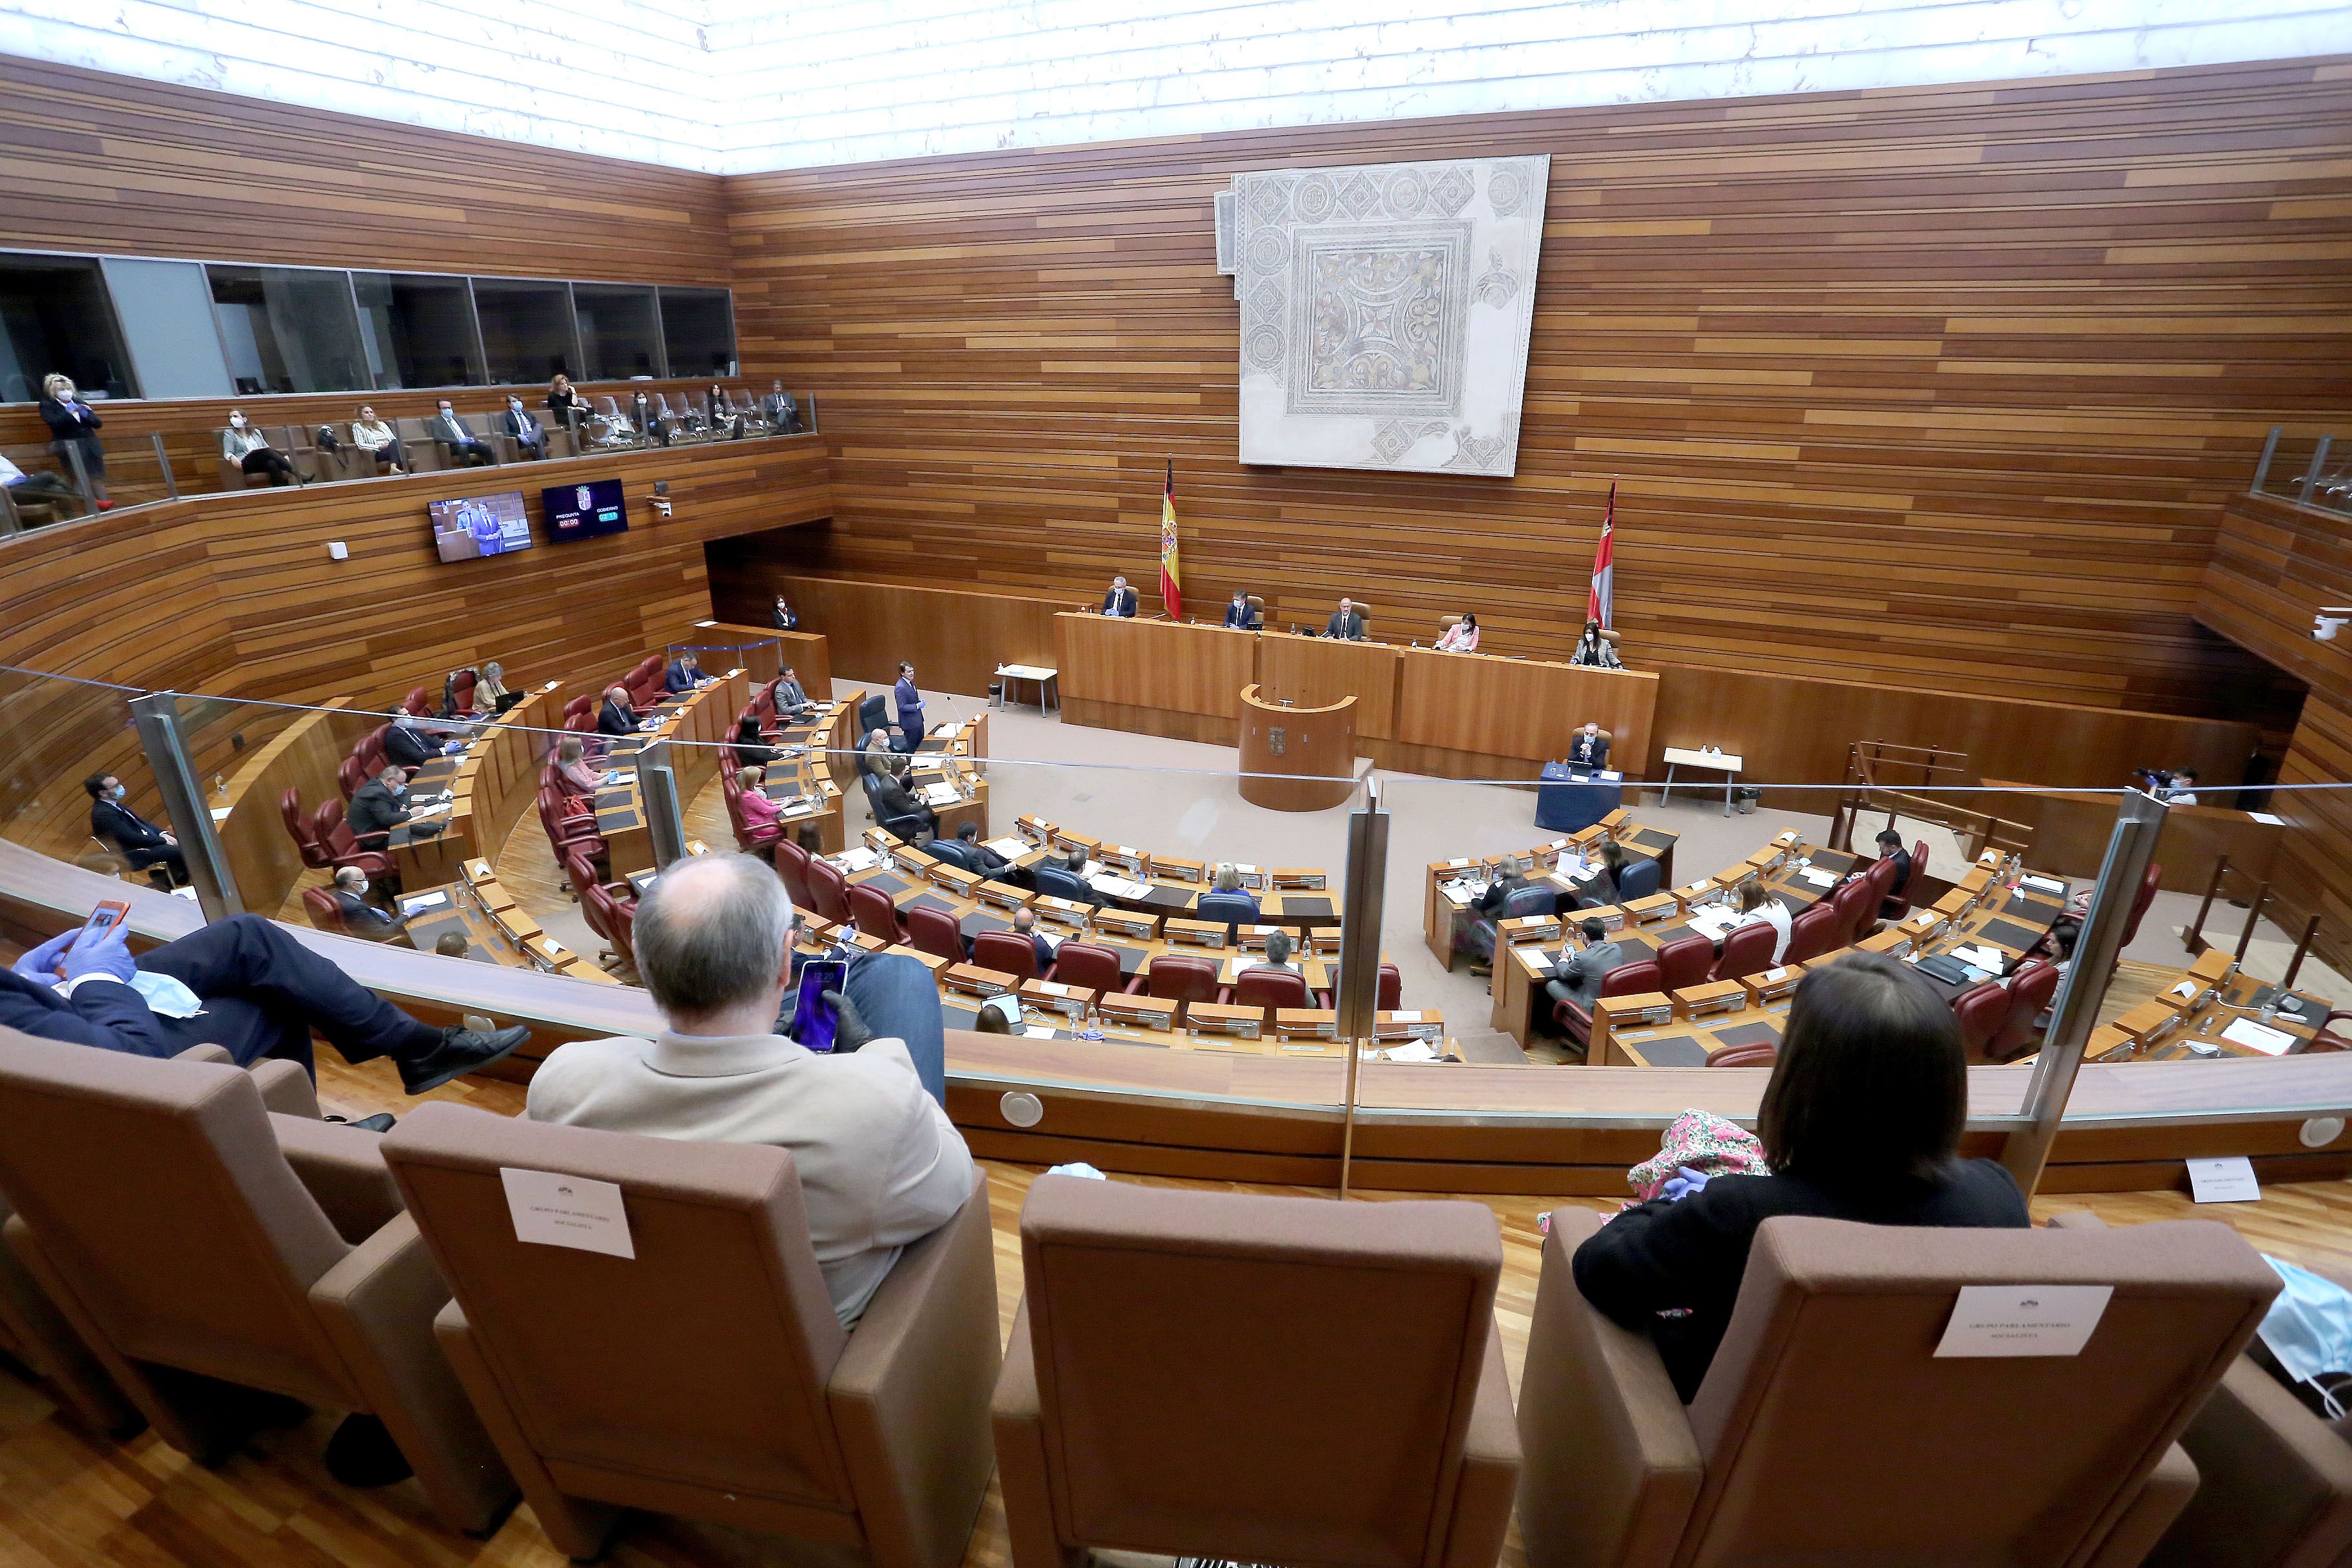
x: 68, y: 1499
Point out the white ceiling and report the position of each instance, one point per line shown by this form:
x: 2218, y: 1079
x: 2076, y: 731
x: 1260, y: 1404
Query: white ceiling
x: 735, y: 86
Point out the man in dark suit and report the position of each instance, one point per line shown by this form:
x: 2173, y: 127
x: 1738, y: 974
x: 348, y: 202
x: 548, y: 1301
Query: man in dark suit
x: 403, y: 743
x: 1237, y: 614
x: 891, y: 798
x: 1580, y: 973
x: 134, y: 837
x: 377, y: 808
x: 1589, y: 748
x: 684, y: 673
x: 617, y: 717
x: 1347, y: 623
x: 979, y: 857
x: 1890, y: 847
x: 457, y: 438
x: 360, y: 917
x: 262, y: 994
x: 783, y: 415
x: 1120, y: 600
x: 1025, y: 923
x: 1066, y: 880
x: 909, y: 701
x: 529, y: 435
x: 1477, y: 937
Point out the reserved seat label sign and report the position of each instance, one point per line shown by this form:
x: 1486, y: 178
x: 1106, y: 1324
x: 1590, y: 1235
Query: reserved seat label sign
x: 551, y: 1209
x: 2023, y: 1319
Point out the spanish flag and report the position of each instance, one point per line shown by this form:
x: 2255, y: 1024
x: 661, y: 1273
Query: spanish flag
x: 1172, y: 582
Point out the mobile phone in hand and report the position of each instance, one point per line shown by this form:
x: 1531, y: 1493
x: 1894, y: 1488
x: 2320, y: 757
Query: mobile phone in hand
x: 815, y: 1021
x: 105, y: 918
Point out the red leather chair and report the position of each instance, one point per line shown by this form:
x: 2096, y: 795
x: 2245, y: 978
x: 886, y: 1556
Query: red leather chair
x: 342, y: 846
x: 1748, y: 950
x: 1086, y: 966
x: 614, y: 918
x: 350, y: 775
x: 1183, y: 978
x: 1881, y: 877
x: 1982, y: 1010
x: 566, y: 831
x: 1006, y: 952
x: 582, y: 706
x: 369, y: 750
x: 324, y: 912
x: 792, y: 865
x: 871, y: 911
x: 461, y: 692
x: 1685, y: 962
x: 933, y: 931
x: 2031, y: 990
x: 1855, y: 904
x: 580, y: 867
x: 1268, y: 989
x: 2141, y: 899
x: 828, y: 891
x: 1754, y: 1054
x: 1391, y: 991
x: 289, y: 806
x: 1625, y: 980
x: 414, y: 702
x: 1812, y: 933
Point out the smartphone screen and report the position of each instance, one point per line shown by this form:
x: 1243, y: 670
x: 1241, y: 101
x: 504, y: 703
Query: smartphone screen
x: 107, y: 916
x: 813, y: 1018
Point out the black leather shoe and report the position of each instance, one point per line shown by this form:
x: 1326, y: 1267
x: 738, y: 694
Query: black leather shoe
x: 382, y: 1121
x: 462, y: 1051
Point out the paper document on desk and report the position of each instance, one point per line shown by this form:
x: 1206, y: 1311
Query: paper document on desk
x: 1457, y: 893
x: 2045, y: 884
x: 1713, y: 923
x: 1053, y: 943
x: 621, y: 776
x: 1411, y: 1051
x: 942, y: 731
x: 1818, y: 877
x: 939, y: 795
x: 1009, y: 848
x: 862, y: 858
x: 2258, y: 1037
x: 436, y: 809
x: 422, y: 902
x: 1120, y: 887
x: 1610, y: 775
x: 2266, y: 819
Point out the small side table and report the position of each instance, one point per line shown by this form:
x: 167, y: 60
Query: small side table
x: 1710, y: 761
x: 1047, y: 681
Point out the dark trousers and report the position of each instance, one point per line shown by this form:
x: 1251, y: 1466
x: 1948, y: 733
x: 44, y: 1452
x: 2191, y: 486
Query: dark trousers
x: 41, y: 484
x: 168, y: 855
x: 265, y: 993
x: 269, y: 460
x: 470, y: 454
x: 899, y: 1000
x: 387, y: 457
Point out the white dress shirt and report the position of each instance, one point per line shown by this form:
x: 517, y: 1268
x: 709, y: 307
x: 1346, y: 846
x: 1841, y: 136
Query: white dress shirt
x: 880, y: 1164
x: 1773, y: 913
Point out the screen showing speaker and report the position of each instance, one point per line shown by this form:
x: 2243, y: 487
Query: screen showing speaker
x: 583, y: 512
x: 471, y: 526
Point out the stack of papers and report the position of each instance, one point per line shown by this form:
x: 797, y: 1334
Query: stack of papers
x: 2045, y: 884
x: 861, y: 858
x: 942, y: 731
x: 1011, y: 848
x: 1713, y: 922
x: 939, y: 795
x: 2258, y: 1036
x: 1818, y: 877
x: 422, y: 902
x: 1411, y: 1051
x: 1120, y: 886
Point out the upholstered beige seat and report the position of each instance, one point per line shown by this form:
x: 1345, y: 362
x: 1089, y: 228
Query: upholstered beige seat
x: 708, y: 1375
x: 1828, y: 1431
x: 180, y: 1228
x: 1258, y: 1379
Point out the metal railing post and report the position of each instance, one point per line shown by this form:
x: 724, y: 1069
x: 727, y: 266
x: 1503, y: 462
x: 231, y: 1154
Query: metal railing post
x: 657, y: 788
x: 163, y: 465
x: 2195, y: 934
x: 2310, y: 482
x: 2301, y: 951
x: 81, y: 476
x: 2130, y: 847
x: 2262, y: 469
x: 1360, y: 951
x: 156, y: 716
x: 2254, y: 913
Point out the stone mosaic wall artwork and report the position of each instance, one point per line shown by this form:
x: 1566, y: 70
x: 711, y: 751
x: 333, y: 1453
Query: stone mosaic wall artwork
x: 1384, y: 312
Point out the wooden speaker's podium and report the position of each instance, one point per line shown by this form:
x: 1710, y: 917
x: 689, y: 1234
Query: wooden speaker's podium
x: 1296, y: 759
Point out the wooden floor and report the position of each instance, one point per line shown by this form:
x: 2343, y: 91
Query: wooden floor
x: 66, y: 1499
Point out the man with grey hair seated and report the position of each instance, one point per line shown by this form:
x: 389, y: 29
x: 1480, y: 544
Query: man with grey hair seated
x: 880, y: 1165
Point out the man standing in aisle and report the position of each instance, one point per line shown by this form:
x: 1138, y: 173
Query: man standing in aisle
x: 910, y: 711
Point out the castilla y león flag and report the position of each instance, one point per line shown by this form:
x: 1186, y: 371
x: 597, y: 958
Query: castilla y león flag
x: 1599, y: 607
x: 1172, y: 581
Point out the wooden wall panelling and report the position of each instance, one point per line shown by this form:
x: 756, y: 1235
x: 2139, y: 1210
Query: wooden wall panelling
x: 1315, y: 672
x: 303, y: 757
x: 1171, y: 665
x: 1849, y: 448
x: 1474, y: 702
x: 2070, y: 833
x: 954, y: 638
x: 2274, y: 565
x: 806, y: 654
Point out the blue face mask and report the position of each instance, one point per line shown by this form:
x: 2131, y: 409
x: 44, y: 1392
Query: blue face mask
x: 2309, y: 1328
x: 118, y: 792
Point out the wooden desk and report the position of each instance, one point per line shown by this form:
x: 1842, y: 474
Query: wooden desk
x: 489, y: 784
x: 1296, y: 758
x: 1315, y: 672
x: 1442, y: 919
x: 1521, y: 708
x: 1157, y: 677
x: 2071, y: 833
x: 705, y: 715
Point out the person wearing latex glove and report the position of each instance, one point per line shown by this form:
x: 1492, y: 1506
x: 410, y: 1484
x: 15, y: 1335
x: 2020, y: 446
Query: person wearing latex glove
x: 1682, y: 1184
x: 40, y: 963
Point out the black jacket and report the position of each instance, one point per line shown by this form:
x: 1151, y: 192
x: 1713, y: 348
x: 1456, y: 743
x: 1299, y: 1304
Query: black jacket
x: 1673, y: 1268
x: 1901, y: 858
x: 1591, y: 752
x: 117, y: 824
x: 363, y: 919
x: 1353, y: 630
x: 71, y: 421
x: 406, y: 747
x: 1491, y: 901
x: 784, y: 618
x: 1239, y: 615
x: 109, y: 1016
x: 615, y: 720
x: 375, y: 811
x: 892, y: 799
x: 1118, y: 601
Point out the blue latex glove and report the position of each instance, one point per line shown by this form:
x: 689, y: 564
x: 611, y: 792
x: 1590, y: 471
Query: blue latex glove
x: 41, y: 962
x: 1682, y: 1184
x: 109, y: 954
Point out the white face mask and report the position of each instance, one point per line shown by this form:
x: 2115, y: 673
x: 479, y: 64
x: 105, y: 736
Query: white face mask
x: 359, y: 887
x: 238, y: 420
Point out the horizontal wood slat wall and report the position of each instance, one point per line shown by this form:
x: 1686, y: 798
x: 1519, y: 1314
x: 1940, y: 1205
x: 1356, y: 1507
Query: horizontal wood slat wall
x: 91, y: 161
x: 2274, y: 565
x: 235, y: 594
x: 1930, y: 388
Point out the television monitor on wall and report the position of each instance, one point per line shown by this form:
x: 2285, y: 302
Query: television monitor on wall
x: 469, y: 526
x: 583, y: 512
